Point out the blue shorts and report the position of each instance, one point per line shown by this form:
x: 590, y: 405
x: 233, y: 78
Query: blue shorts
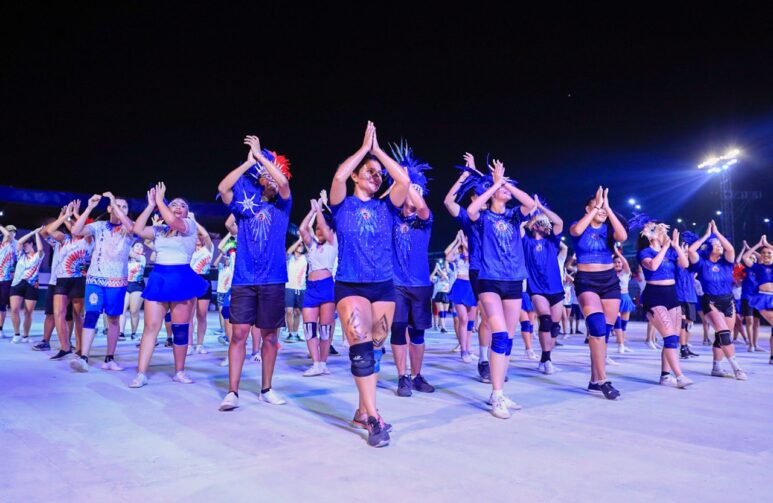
x: 413, y: 305
x: 174, y: 283
x: 318, y: 292
x: 107, y: 299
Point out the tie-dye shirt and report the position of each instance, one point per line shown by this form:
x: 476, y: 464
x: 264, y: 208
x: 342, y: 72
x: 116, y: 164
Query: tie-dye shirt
x: 110, y: 259
x: 136, y: 269
x: 7, y: 260
x: 74, y: 254
x: 27, y: 267
x: 201, y: 260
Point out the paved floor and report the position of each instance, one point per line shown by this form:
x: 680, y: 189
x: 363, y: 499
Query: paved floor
x: 87, y: 437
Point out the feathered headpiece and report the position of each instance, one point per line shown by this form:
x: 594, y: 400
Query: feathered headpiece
x: 281, y: 162
x: 689, y: 237
x: 403, y: 154
x: 646, y: 225
x: 706, y: 247
x: 477, y: 181
x: 539, y: 216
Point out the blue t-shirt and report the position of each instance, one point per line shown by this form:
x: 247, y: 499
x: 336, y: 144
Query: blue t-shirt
x: 716, y: 278
x: 501, y: 254
x: 541, y: 257
x: 762, y: 274
x: 685, y: 286
x: 591, y: 246
x: 668, y: 266
x: 472, y: 231
x: 749, y: 284
x: 260, y: 249
x: 410, y: 256
x: 364, y: 234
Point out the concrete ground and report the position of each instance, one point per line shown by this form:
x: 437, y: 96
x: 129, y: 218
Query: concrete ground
x: 88, y: 437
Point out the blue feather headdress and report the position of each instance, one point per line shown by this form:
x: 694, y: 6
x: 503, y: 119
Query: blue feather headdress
x: 689, y: 237
x: 477, y: 181
x: 403, y: 154
x: 705, y: 249
x: 640, y: 222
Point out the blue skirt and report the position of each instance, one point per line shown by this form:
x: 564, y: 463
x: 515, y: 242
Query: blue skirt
x: 526, y: 304
x: 461, y: 293
x: 762, y: 301
x: 626, y: 303
x: 319, y: 292
x: 174, y: 283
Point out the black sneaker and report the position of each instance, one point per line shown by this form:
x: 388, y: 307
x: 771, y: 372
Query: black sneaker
x: 133, y: 336
x: 421, y: 384
x: 578, y: 331
x: 42, y: 346
x: 484, y: 371
x: 691, y: 354
x: 683, y: 354
x: 290, y: 339
x: 404, y: 386
x: 362, y: 421
x: 378, y: 436
x: 586, y: 339
x: 61, y: 354
x: 168, y: 343
x: 594, y: 387
x: 610, y: 393
x: 558, y: 344
x: 334, y: 351
x: 443, y: 330
x: 121, y: 337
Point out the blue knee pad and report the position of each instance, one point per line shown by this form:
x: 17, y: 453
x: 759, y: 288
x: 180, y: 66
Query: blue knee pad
x: 362, y: 358
x: 509, y: 347
x: 526, y: 326
x: 545, y: 323
x: 91, y: 319
x: 499, y: 343
x: 441, y: 314
x: 417, y: 336
x: 309, y: 330
x: 398, y: 334
x: 470, y: 326
x: 168, y: 317
x: 618, y: 323
x: 597, y: 325
x: 454, y: 314
x: 609, y: 331
x: 225, y: 311
x: 180, y: 334
x: 623, y: 324
x: 671, y: 341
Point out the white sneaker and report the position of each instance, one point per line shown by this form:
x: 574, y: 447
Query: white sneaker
x: 750, y: 349
x: 740, y: 375
x: 652, y: 345
x: 546, y: 368
x: 272, y: 397
x: 224, y: 363
x: 626, y: 349
x: 610, y: 361
x: 720, y: 372
x: 668, y: 380
x: 499, y: 407
x: 314, y: 370
x: 466, y: 358
x: 530, y: 355
x: 189, y: 352
x: 201, y: 350
x: 16, y: 339
x: 508, y: 403
x: 683, y: 381
x: 111, y: 365
x: 139, y: 381
x: 79, y: 365
x: 182, y: 378
x: 456, y: 349
x: 255, y: 357
x: 325, y: 370
x: 230, y: 402
x: 25, y: 339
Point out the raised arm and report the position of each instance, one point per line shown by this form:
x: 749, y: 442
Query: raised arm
x: 25, y: 237
x: 748, y: 257
x: 692, y: 252
x: 579, y: 226
x: 293, y: 246
x: 473, y: 210
x: 224, y: 242
x: 558, y: 224
x: 282, y: 183
x: 79, y: 227
x: 402, y: 181
x: 620, y: 234
x: 346, y: 168
x: 330, y: 236
x: 115, y: 210
x: 170, y: 218
x: 727, y: 245
x: 450, y: 200
x: 141, y: 225
x: 683, y: 262
x: 522, y: 197
x: 305, y: 228
x: 653, y: 263
x: 619, y: 254
x: 422, y: 210
x: 563, y: 251
x: 39, y: 242
x: 230, y: 225
x: 451, y: 250
x: 204, y: 235
x: 52, y: 229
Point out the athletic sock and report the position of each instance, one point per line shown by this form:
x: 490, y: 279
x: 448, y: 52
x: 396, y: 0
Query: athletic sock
x: 716, y: 365
x: 545, y: 357
x: 734, y: 364
x: 483, y: 353
x: 266, y: 390
x: 663, y: 374
x: 109, y: 358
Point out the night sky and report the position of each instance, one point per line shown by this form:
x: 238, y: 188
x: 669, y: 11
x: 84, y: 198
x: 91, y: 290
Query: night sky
x: 114, y: 98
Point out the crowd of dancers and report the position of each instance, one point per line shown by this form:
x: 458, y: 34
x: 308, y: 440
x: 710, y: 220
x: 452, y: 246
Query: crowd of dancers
x: 362, y: 260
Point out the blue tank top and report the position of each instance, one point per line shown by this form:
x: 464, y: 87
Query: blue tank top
x: 364, y: 234
x: 685, y: 286
x: 472, y: 231
x: 541, y: 257
x: 501, y: 253
x: 591, y: 246
x: 410, y: 257
x: 762, y: 274
x: 716, y: 278
x: 667, y: 269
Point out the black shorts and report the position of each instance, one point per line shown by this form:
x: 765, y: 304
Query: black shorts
x: 747, y: 310
x: 74, y: 288
x: 293, y: 298
x: 50, y: 292
x: 725, y: 304
x: 576, y: 312
x: 208, y: 294
x: 688, y: 311
x: 135, y: 286
x: 440, y: 298
x: 474, y: 281
x: 383, y: 291
x: 507, y: 290
x: 659, y: 295
x: 259, y: 305
x: 603, y: 283
x: 413, y: 306
x: 552, y: 298
x: 24, y: 289
x: 5, y: 295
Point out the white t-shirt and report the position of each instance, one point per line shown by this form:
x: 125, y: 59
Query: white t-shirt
x: 201, y: 260
x: 624, y: 278
x: 296, y: 272
x: 110, y: 259
x: 172, y: 247
x: 322, y: 256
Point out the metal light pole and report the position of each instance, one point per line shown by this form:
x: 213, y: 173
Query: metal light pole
x: 721, y: 165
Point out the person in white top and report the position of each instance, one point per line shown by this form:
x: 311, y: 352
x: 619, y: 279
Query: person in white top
x: 24, y: 287
x: 319, y: 299
x: 172, y: 285
x: 7, y: 266
x: 441, y: 278
x: 626, y: 302
x: 201, y: 262
x: 294, y: 289
x: 461, y: 294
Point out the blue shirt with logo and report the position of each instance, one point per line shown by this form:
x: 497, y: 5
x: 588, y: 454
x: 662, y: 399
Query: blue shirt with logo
x: 716, y: 278
x: 542, y: 263
x: 591, y: 247
x: 667, y: 268
x: 410, y: 252
x: 501, y: 253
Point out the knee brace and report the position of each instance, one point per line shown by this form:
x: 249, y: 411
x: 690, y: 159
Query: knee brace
x: 624, y: 325
x: 168, y: 317
x: 309, y: 330
x: 91, y: 319
x: 398, y: 334
x: 180, y: 334
x: 619, y: 323
x: 671, y: 341
x: 685, y: 324
x: 416, y: 335
x: 526, y: 326
x: 509, y: 347
x: 716, y: 343
x: 499, y: 343
x: 610, y: 327
x: 225, y: 312
x: 724, y: 337
x: 555, y: 330
x: 324, y: 332
x: 470, y: 326
x: 545, y: 323
x: 362, y: 358
x: 596, y: 324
